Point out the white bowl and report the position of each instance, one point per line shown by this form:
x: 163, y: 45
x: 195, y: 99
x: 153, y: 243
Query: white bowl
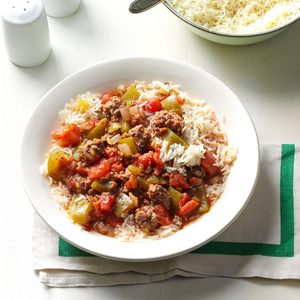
x: 109, y: 74
x: 227, y: 38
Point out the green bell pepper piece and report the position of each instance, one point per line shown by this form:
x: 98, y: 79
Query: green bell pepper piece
x: 100, y: 187
x: 171, y: 103
x: 131, y: 93
x: 153, y: 180
x: 135, y: 170
x: 114, y: 126
x: 99, y: 130
x: 55, y: 164
x: 156, y: 180
x: 129, y: 141
x: 204, y: 206
x: 175, y: 197
x: 143, y: 183
x: 172, y: 138
x: 124, y: 204
x: 125, y: 126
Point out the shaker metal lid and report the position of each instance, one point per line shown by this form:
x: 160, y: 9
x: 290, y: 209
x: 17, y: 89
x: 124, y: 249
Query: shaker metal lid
x: 21, y: 11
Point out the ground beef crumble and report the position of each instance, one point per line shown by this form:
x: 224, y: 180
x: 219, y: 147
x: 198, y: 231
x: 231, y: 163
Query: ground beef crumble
x: 92, y: 151
x: 146, y: 218
x: 78, y: 184
x: 158, y: 194
x: 166, y: 119
x: 111, y: 109
x: 141, y: 136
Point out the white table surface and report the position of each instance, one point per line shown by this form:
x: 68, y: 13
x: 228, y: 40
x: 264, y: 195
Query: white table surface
x: 266, y: 77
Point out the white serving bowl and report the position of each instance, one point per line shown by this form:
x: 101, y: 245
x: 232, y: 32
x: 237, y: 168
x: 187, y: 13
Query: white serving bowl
x: 109, y: 74
x: 227, y: 38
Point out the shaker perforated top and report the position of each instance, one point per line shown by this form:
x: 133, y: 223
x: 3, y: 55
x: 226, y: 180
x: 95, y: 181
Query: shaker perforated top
x: 21, y: 11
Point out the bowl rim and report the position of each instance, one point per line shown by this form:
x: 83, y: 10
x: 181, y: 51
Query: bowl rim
x: 140, y: 259
x: 223, y: 34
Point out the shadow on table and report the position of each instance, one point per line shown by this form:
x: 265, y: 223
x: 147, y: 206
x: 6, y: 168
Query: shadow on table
x: 70, y: 24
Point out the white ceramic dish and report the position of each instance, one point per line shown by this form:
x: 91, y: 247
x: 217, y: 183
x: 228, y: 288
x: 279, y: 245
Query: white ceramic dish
x: 229, y: 39
x: 109, y: 74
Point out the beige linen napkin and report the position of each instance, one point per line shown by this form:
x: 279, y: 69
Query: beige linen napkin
x: 264, y: 241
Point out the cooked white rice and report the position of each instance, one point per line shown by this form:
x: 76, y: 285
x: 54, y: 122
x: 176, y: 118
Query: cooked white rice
x: 236, y: 16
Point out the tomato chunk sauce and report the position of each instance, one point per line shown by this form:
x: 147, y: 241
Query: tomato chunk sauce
x: 124, y: 157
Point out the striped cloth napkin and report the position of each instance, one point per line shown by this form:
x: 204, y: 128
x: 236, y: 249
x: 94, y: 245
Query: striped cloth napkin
x: 264, y: 241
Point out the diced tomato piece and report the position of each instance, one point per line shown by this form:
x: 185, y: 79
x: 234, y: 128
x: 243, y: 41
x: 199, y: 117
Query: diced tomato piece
x: 90, y: 124
x: 113, y: 220
x: 157, y: 160
x: 68, y: 135
x: 180, y: 100
x: 183, y: 200
x: 132, y: 183
x: 69, y: 182
x: 155, y: 146
x: 153, y: 105
x: 152, y: 158
x: 162, y: 215
x: 88, y: 227
x: 159, y: 165
x: 195, y: 181
x: 98, y: 170
x: 117, y: 167
x: 105, y: 97
x: 107, y: 202
x: 82, y: 170
x: 67, y: 166
x: 112, y: 152
x: 72, y: 167
x: 207, y: 163
x: 157, y: 171
x: 178, y: 180
x: 96, y: 205
x: 189, y: 207
x: 146, y: 159
x: 103, y: 203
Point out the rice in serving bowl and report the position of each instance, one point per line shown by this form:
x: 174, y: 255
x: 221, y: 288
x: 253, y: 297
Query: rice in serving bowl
x: 233, y: 22
x: 202, y: 131
x: 238, y: 17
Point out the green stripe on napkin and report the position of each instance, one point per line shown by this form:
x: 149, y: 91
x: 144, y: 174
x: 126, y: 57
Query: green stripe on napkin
x: 68, y: 250
x: 284, y: 249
